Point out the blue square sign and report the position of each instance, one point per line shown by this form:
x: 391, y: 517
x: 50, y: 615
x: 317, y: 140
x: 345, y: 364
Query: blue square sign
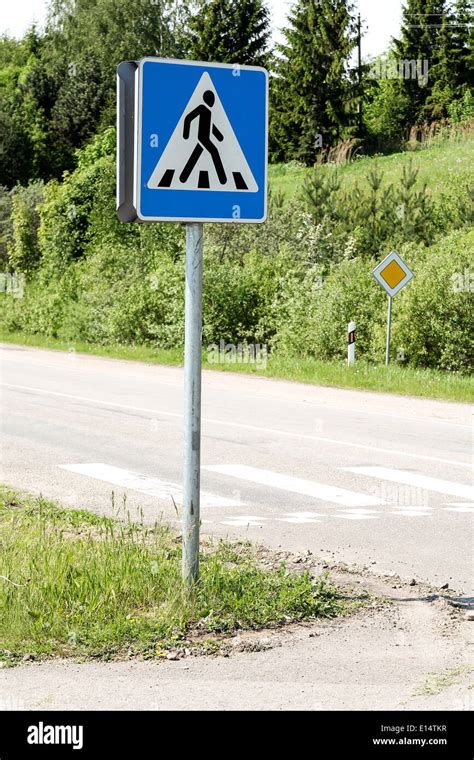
x: 200, y: 142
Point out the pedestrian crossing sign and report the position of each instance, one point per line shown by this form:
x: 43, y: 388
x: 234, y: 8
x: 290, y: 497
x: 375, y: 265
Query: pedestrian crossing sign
x: 200, y: 142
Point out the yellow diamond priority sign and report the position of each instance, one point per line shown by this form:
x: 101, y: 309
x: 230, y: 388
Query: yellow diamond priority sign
x: 392, y: 274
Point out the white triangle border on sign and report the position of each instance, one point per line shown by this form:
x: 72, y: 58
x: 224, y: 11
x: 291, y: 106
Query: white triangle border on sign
x: 166, y: 174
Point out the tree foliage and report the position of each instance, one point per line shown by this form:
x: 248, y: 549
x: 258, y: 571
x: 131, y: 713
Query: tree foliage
x: 312, y: 89
x: 57, y: 89
x: 439, y: 33
x: 230, y: 32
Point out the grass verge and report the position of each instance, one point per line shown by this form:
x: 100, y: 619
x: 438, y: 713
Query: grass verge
x: 75, y: 584
x: 424, y: 383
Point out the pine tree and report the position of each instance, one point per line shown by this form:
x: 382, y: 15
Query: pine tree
x: 312, y: 89
x: 230, y: 31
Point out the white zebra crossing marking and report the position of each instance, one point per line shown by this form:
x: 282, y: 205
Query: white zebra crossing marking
x: 243, y: 521
x: 320, y: 491
x: 301, y: 518
x: 403, y: 512
x: 165, y: 489
x: 358, y: 514
x: 162, y: 489
x: 356, y: 517
x: 414, y: 479
x: 459, y: 507
x: 314, y: 518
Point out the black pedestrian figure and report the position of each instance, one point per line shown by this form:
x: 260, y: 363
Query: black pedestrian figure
x: 204, y: 114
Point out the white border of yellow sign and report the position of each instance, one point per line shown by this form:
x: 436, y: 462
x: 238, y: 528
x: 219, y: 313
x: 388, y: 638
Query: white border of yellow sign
x: 393, y: 256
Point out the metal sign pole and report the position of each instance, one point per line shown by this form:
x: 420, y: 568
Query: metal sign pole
x: 192, y: 402
x: 389, y: 324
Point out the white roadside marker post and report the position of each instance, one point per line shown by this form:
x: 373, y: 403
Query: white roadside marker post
x: 351, y: 343
x: 192, y: 402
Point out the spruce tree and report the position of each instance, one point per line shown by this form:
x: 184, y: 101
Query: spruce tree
x: 442, y: 72
x: 464, y: 45
x: 230, y: 31
x: 427, y: 36
x: 311, y: 90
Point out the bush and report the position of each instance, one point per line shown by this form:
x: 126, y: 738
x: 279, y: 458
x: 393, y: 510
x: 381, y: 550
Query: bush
x: 41, y: 308
x: 315, y: 322
x: 23, y: 249
x: 434, y: 316
x: 79, y: 212
x: 462, y: 109
x: 387, y: 114
x: 239, y: 297
x: 6, y: 232
x: 126, y: 298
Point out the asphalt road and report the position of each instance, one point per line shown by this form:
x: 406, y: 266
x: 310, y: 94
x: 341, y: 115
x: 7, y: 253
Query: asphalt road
x: 361, y: 477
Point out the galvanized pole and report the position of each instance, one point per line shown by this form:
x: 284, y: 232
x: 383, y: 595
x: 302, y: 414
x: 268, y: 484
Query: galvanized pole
x: 389, y: 324
x: 192, y: 402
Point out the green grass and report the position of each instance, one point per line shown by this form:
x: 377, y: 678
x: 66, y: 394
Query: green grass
x: 172, y: 356
x: 80, y: 585
x: 445, y: 167
x: 424, y: 383
x: 407, y: 381
x: 437, y: 682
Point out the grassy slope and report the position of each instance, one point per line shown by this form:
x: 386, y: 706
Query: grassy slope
x: 444, y: 166
x: 76, y: 584
x: 363, y: 376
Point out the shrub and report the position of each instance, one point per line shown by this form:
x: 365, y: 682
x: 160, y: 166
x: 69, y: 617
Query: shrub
x: 6, y: 232
x: 239, y: 297
x: 123, y: 297
x: 462, y: 109
x: 434, y: 317
x: 387, y: 114
x: 41, y: 308
x: 315, y: 323
x: 23, y: 249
